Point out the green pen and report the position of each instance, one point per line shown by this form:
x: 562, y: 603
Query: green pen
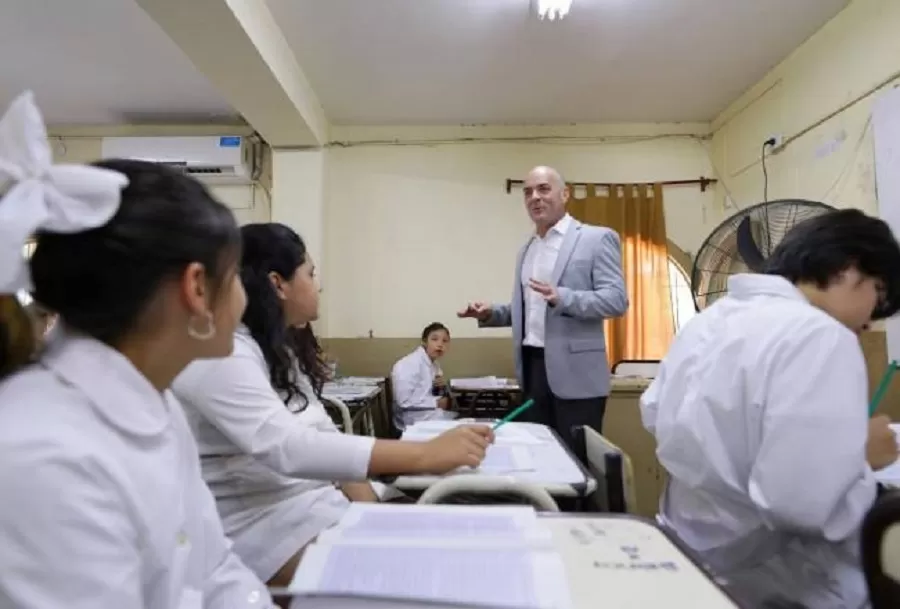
x: 883, y: 386
x: 513, y: 414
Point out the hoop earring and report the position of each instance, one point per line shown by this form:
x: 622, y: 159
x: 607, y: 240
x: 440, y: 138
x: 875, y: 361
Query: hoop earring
x: 205, y: 334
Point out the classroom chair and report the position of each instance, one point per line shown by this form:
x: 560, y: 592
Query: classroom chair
x: 612, y: 469
x: 487, y: 490
x: 881, y: 551
x: 346, y: 421
x: 644, y: 368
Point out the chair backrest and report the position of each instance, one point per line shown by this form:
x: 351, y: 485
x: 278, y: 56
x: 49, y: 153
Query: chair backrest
x: 645, y: 368
x: 343, y: 411
x: 881, y: 551
x: 611, y: 467
x: 491, y: 489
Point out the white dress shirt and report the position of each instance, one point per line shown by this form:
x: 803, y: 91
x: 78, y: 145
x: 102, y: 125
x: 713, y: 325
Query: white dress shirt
x: 103, y: 504
x: 269, y: 465
x: 412, y: 378
x: 760, y: 414
x: 539, y: 261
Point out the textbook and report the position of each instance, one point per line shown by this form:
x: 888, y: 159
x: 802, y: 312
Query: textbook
x: 433, y: 556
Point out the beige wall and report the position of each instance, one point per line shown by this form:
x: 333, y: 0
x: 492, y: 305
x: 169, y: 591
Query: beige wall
x: 854, y: 53
x: 414, y: 231
x: 820, y: 99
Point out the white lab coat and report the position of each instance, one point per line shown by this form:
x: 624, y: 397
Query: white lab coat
x: 760, y: 414
x: 412, y: 378
x: 103, y: 504
x: 270, y: 467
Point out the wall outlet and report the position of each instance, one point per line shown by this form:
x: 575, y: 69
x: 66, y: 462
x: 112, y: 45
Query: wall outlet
x: 775, y: 142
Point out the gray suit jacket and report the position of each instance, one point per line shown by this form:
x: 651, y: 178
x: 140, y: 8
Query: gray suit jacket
x: 588, y: 278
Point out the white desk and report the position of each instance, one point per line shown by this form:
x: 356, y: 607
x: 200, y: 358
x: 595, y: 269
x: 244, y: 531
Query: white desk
x: 359, y: 399
x: 625, y: 562
x: 555, y: 468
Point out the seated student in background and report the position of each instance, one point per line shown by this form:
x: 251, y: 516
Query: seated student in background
x: 761, y: 418
x: 103, y: 504
x: 268, y: 449
x: 417, y: 382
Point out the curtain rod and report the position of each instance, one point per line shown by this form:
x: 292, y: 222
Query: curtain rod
x: 702, y: 181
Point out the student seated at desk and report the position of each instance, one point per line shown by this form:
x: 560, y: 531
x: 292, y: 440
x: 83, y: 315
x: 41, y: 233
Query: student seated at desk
x: 761, y: 417
x: 103, y: 502
x: 417, y: 382
x: 268, y: 449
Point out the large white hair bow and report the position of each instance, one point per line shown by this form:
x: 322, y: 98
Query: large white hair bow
x: 43, y: 196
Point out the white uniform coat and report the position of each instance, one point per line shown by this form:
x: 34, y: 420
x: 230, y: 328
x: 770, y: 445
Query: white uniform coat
x: 269, y: 466
x: 412, y: 378
x: 760, y: 414
x: 103, y: 506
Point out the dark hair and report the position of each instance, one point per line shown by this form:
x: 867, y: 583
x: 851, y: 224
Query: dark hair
x: 17, y: 340
x: 819, y: 249
x: 433, y: 327
x: 101, y: 281
x: 276, y: 248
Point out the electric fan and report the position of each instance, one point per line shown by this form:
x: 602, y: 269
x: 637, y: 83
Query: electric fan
x: 742, y: 243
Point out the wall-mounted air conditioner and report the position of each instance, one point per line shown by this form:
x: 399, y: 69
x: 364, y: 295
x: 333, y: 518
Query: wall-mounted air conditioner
x: 214, y: 159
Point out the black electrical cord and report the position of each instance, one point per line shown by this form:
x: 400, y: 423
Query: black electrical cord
x: 766, y: 144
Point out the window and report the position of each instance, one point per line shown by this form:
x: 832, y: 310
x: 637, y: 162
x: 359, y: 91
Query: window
x: 680, y: 295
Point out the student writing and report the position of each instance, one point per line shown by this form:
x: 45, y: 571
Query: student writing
x: 265, y: 453
x: 760, y: 412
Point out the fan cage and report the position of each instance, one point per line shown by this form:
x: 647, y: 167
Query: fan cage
x: 718, y: 258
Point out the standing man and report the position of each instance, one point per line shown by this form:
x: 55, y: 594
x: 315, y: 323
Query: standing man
x: 568, y: 281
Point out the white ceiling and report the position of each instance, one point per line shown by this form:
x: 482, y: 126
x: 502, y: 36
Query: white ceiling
x: 492, y: 61
x: 418, y: 61
x: 100, y: 62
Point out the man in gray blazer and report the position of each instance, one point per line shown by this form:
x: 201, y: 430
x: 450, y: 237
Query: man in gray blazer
x: 568, y: 280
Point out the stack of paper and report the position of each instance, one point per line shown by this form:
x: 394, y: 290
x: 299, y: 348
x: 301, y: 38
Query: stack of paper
x: 433, y: 556
x: 482, y: 383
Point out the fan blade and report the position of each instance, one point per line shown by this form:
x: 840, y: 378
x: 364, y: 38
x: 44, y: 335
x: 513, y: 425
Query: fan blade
x: 747, y: 247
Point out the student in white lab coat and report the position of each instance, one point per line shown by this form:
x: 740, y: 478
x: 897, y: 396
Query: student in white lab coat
x: 417, y: 381
x: 103, y: 504
x: 760, y: 414
x: 270, y: 453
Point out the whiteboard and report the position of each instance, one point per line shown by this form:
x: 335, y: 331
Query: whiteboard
x: 886, y: 131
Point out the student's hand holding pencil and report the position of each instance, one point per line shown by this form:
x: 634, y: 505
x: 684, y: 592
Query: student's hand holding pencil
x: 461, y: 446
x: 881, y: 446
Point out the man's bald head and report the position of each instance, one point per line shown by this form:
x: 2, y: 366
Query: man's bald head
x: 546, y: 195
x: 547, y: 173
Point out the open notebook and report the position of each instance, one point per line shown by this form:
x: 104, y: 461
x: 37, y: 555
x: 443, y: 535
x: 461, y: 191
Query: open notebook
x: 433, y: 556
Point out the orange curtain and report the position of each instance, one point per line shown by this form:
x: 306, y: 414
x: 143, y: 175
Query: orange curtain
x: 635, y: 211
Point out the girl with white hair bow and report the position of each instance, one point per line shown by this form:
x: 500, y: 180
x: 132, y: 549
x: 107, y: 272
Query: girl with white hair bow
x: 103, y: 504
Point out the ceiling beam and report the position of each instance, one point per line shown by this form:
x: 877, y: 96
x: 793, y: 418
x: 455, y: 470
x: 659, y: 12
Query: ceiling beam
x: 242, y: 51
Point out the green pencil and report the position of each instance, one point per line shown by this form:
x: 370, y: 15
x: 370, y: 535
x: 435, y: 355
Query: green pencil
x: 883, y: 386
x: 513, y: 414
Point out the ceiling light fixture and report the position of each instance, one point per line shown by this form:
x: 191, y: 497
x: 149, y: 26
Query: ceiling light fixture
x: 553, y: 9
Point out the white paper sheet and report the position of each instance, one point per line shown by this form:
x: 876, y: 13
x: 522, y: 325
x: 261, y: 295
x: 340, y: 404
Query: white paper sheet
x: 431, y: 522
x: 486, y: 577
x: 890, y: 476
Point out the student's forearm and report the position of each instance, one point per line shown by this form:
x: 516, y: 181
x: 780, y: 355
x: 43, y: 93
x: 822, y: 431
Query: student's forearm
x: 391, y: 457
x: 359, y: 491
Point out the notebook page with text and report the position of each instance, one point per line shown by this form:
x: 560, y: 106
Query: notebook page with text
x: 501, y: 578
x: 440, y: 525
